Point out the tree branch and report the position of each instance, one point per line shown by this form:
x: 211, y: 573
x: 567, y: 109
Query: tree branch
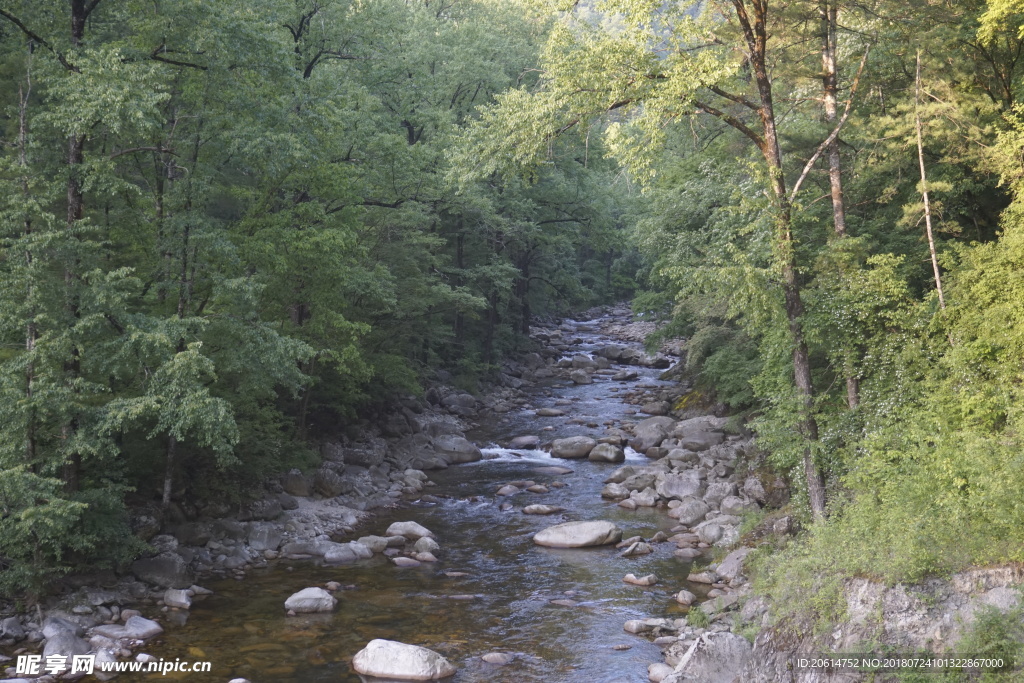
x: 738, y: 99
x: 37, y: 38
x: 157, y: 56
x: 732, y: 121
x: 835, y: 131
x: 131, y: 150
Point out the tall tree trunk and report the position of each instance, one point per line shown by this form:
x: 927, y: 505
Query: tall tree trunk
x: 756, y: 35
x: 924, y: 184
x: 31, y: 332
x: 828, y: 15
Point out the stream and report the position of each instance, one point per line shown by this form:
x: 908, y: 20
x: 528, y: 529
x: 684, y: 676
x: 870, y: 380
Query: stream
x: 492, y: 588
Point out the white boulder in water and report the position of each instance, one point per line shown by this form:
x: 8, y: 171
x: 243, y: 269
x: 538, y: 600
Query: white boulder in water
x: 310, y: 600
x: 399, y: 661
x: 579, y: 534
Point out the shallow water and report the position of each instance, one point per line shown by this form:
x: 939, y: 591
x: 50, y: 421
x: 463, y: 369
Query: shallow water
x: 503, y: 603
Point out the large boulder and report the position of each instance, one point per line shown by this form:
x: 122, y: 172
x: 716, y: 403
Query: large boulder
x: 456, y: 449
x: 581, y: 377
x: 65, y: 644
x: 264, y: 536
x: 690, y: 511
x: 701, y: 441
x: 718, y: 492
x: 410, y: 530
x: 606, y: 452
x: 705, y: 423
x: 713, y: 658
x: 460, y: 404
x: 579, y: 534
x: 524, y: 442
x: 651, y: 432
x: 732, y: 565
x: 309, y: 600
x: 572, y: 447
x: 167, y: 570
x: 295, y: 483
x: 399, y: 661
x: 679, y: 486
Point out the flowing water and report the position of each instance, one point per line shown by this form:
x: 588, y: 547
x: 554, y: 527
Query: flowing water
x: 503, y: 602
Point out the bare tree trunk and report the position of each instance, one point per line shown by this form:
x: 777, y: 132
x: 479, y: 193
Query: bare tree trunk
x: 924, y: 184
x: 31, y: 332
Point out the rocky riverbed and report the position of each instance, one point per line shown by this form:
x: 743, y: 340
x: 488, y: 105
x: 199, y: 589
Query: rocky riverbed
x: 563, y: 527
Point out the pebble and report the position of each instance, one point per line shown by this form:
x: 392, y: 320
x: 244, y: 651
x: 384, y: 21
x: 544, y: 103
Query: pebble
x: 498, y: 658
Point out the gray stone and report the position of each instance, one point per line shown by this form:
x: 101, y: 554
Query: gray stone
x: 66, y: 644
x: 549, y: 412
x: 399, y: 661
x: 140, y: 628
x: 542, y: 509
x: 753, y: 489
x: 409, y: 530
x: 309, y: 600
x: 734, y: 505
x: 579, y: 534
x: 456, y: 449
x: 572, y: 447
x: 606, y: 452
x: 732, y: 565
x: 645, y: 499
x: 651, y: 432
x: 426, y: 545
x: 11, y: 628
x: 690, y: 511
x: 524, y: 443
x: 709, y: 533
x: 167, y: 570
x: 701, y: 441
x: 580, y: 377
x: 685, y: 597
x: 679, y: 486
x: 295, y: 483
x: 376, y: 544
x: 330, y: 484
x: 177, y: 597
x: 615, y: 492
x: 264, y: 536
x: 267, y: 509
x: 718, y: 492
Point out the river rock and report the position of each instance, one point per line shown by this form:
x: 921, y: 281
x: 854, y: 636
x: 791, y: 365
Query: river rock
x: 549, y: 412
x: 426, y: 545
x: 754, y: 489
x: 572, y: 447
x: 309, y: 600
x: 264, y: 536
x: 709, y: 533
x: 638, y: 549
x: 651, y: 432
x: 732, y: 565
x: 579, y: 534
x: 656, y: 408
x: 620, y: 475
x: 542, y: 509
x: 507, y: 490
x: 648, y: 580
x: 405, y: 562
x: 615, y: 491
x: 685, y: 597
x: 712, y: 658
x: 376, y: 544
x: 690, y: 511
x: 606, y: 452
x: 456, y: 449
x: 399, y: 661
x: 734, y: 505
x: 65, y: 644
x: 701, y: 441
x: 645, y: 499
x: 679, y: 486
x: 686, y: 554
x: 296, y: 484
x: 167, y: 570
x: 524, y: 443
x: 498, y: 658
x: 581, y: 377
x: 409, y: 530
x: 625, y: 375
x: 718, y: 492
x: 175, y: 597
x: 657, y: 672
